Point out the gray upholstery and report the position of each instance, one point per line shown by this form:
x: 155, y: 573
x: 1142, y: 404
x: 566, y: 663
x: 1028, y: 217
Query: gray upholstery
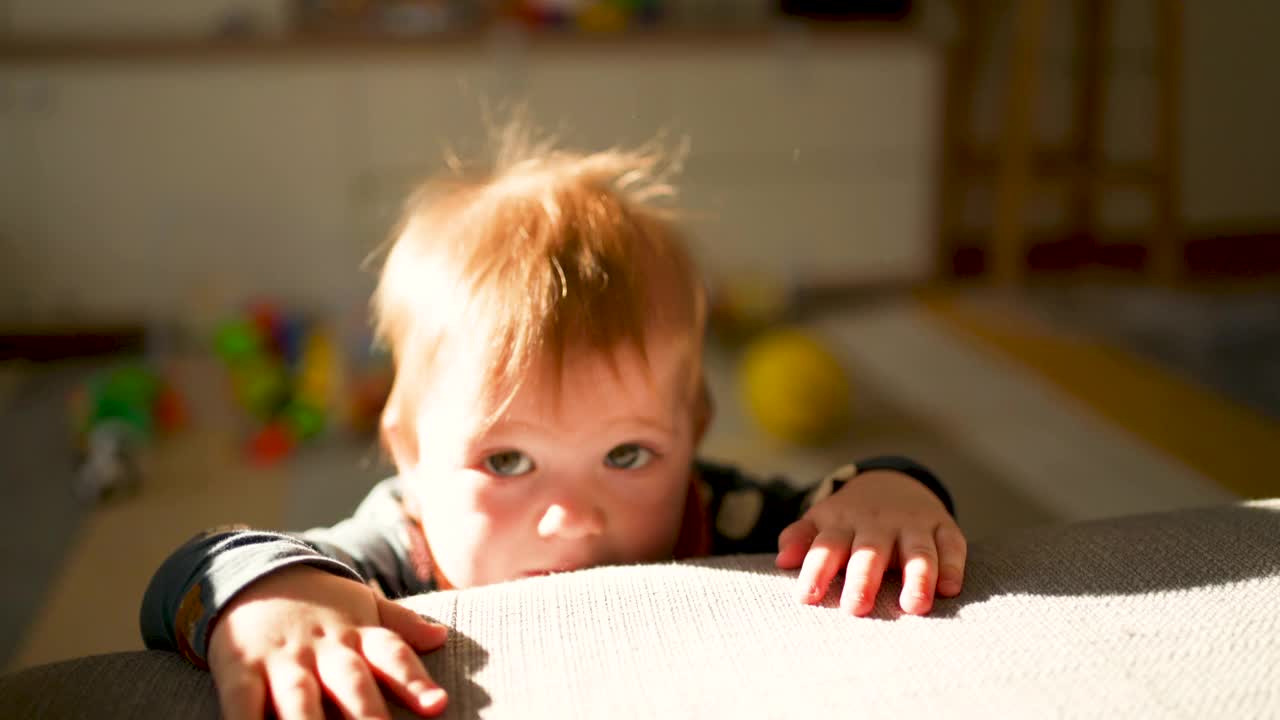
x: 1162, y: 615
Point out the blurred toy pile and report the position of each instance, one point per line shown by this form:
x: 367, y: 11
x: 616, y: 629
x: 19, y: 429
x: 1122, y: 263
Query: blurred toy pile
x: 298, y: 377
x: 598, y: 16
x: 428, y: 17
x: 292, y: 378
x: 114, y: 415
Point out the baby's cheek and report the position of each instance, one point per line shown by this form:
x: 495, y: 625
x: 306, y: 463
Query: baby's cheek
x: 649, y: 540
x: 467, y: 531
x: 465, y: 547
x: 473, y: 493
x: 648, y: 525
x: 498, y: 509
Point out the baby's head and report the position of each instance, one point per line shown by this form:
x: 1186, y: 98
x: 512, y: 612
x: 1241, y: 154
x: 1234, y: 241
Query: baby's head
x: 546, y: 323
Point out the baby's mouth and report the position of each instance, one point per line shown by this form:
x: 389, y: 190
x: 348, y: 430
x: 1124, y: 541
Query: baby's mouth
x: 555, y: 570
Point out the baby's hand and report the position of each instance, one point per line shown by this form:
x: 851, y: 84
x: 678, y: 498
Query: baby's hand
x: 859, y: 527
x: 301, y: 632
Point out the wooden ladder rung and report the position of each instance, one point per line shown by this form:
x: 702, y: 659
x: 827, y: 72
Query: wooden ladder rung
x: 1060, y: 165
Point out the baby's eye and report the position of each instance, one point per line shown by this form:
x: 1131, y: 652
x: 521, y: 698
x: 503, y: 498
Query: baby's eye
x: 508, y: 463
x: 628, y: 457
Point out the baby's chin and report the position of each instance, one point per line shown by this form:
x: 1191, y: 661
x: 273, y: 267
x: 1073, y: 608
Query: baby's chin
x: 659, y: 551
x: 556, y: 566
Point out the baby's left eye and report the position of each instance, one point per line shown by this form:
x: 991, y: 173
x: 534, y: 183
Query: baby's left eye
x: 628, y: 457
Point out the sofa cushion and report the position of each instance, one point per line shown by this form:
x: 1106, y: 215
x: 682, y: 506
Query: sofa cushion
x: 1168, y: 614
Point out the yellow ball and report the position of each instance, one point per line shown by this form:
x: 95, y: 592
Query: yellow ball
x: 795, y: 387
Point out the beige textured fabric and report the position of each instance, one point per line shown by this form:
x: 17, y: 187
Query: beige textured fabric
x: 1172, y: 615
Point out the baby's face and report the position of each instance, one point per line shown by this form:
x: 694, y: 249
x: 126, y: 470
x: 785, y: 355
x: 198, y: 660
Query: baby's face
x: 594, y: 474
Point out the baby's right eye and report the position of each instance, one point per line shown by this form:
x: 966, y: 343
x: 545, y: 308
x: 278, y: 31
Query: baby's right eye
x: 508, y: 463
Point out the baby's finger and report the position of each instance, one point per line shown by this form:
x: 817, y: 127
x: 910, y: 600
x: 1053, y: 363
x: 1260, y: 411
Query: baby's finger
x: 829, y: 553
x: 294, y: 690
x: 346, y: 677
x: 400, y: 668
x: 953, y: 550
x: 421, y: 634
x: 919, y: 557
x: 872, y: 550
x: 241, y: 694
x: 794, y: 542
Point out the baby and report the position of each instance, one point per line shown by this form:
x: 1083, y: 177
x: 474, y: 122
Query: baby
x: 547, y: 324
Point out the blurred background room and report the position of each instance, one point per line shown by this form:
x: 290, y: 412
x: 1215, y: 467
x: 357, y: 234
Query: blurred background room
x: 1033, y: 244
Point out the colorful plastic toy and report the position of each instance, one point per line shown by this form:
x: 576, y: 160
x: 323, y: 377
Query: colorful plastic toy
x: 115, y: 415
x: 298, y: 378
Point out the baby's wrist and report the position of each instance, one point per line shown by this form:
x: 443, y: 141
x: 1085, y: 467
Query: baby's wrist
x: 831, y: 484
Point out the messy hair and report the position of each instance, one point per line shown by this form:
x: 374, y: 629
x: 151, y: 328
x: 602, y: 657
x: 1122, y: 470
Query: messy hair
x: 544, y: 252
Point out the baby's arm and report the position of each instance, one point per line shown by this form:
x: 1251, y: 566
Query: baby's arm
x: 895, y: 503
x: 206, y: 603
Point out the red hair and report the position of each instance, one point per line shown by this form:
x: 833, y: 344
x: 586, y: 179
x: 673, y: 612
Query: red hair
x: 546, y: 252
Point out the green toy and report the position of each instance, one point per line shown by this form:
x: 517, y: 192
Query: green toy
x: 115, y: 415
x: 238, y: 341
x: 127, y: 394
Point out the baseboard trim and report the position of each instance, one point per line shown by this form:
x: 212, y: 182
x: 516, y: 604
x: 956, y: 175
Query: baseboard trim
x: 1207, y: 254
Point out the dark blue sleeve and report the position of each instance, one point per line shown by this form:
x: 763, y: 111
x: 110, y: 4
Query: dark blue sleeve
x: 196, y: 582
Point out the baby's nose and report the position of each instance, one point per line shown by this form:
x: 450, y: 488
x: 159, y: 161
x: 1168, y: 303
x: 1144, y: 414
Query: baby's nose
x: 571, y: 520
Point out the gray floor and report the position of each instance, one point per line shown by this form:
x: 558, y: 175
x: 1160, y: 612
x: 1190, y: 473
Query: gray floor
x: 327, y: 481
x: 39, y: 517
x: 1229, y: 342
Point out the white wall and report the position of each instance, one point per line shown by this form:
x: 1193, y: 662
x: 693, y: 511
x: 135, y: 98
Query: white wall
x: 124, y: 185
x: 135, y: 17
x: 138, y: 188
x: 1231, y: 154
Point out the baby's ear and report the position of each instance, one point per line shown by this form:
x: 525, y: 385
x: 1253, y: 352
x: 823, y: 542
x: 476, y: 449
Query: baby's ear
x: 703, y: 410
x: 399, y: 439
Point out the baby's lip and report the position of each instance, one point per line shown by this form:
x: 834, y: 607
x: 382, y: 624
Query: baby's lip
x: 559, y: 568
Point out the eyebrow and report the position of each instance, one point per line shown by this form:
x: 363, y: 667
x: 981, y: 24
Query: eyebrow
x: 642, y: 421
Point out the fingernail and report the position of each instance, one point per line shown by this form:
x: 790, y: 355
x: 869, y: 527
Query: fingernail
x: 430, y: 698
x: 917, y: 603
x: 948, y: 587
